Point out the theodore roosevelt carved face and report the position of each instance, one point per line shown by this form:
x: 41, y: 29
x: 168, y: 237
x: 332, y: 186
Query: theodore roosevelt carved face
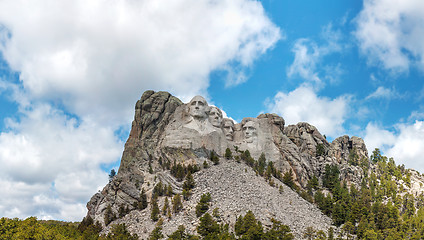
x: 228, y: 128
x: 215, y: 116
x: 198, y: 108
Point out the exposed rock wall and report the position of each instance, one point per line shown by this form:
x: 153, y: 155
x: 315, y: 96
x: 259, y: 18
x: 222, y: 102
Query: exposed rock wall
x: 166, y: 130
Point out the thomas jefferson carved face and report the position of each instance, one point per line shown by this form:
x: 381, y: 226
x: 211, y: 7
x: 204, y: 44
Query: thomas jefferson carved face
x: 228, y: 128
x: 215, y: 117
x: 198, y: 107
x: 249, y: 130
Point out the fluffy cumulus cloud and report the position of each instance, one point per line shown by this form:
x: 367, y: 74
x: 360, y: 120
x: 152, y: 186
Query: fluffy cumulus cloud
x: 83, y: 64
x: 404, y: 143
x: 308, y: 56
x: 97, y: 57
x: 51, y: 163
x: 391, y: 33
x: 304, y: 105
x: 377, y: 137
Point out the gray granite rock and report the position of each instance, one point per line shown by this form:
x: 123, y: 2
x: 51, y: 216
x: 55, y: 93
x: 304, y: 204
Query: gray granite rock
x: 166, y: 130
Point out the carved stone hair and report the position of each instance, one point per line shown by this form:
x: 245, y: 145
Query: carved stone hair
x: 247, y: 119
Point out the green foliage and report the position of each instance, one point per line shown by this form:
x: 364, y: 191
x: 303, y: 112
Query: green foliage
x: 123, y: 210
x: 142, y: 201
x: 228, y: 154
x: 109, y: 215
x: 181, y: 234
x: 154, y: 214
x: 177, y: 203
x: 214, y: 158
x: 313, y: 184
x: 31, y: 228
x: 112, y: 174
x: 309, y: 233
x: 159, y: 190
x: 377, y: 157
x: 189, y: 182
x: 331, y: 176
x: 203, y: 205
x: 288, y: 179
x: 205, y: 164
x: 120, y: 232
x: 261, y: 164
x: 246, y: 157
x: 156, y: 234
x: 353, y: 157
x: 278, y: 231
x: 179, y: 171
x: 320, y: 151
x: 248, y: 227
x: 208, y: 228
x: 165, y: 208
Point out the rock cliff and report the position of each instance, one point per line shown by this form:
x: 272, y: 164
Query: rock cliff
x: 166, y: 132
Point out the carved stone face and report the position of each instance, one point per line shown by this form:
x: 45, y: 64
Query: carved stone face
x: 228, y: 129
x: 215, y: 117
x: 249, y: 131
x: 198, y: 107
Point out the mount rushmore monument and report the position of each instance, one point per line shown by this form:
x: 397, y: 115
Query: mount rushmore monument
x: 165, y: 132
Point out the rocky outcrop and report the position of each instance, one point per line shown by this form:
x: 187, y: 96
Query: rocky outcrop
x: 166, y: 132
x: 235, y: 189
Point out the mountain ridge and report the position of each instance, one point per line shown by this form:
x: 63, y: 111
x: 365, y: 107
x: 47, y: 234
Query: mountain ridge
x: 166, y: 133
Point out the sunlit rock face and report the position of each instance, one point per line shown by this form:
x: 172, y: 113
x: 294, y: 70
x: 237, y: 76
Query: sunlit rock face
x: 168, y: 131
x: 197, y: 125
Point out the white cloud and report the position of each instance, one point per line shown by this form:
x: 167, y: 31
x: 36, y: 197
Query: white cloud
x: 308, y: 57
x: 98, y: 57
x: 391, y: 33
x: 376, y: 137
x: 408, y: 148
x: 385, y: 93
x: 404, y: 144
x: 94, y: 59
x: 303, y: 105
x: 51, y: 162
x: 305, y: 60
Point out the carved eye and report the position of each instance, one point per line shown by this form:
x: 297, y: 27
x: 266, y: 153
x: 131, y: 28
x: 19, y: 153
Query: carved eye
x: 200, y: 103
x: 193, y: 103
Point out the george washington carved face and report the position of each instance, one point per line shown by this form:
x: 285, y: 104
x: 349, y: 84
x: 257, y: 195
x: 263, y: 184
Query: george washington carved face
x: 215, y: 116
x: 198, y: 108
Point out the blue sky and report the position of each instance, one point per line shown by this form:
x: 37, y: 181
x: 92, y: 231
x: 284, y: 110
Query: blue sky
x: 71, y: 72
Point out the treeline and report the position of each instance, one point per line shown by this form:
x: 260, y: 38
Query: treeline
x: 380, y: 208
x: 247, y: 227
x: 31, y: 228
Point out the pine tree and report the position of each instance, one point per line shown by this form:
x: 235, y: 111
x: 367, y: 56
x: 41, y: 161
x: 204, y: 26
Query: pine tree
x: 109, y: 215
x: 165, y: 207
x: 203, y: 204
x: 142, y: 202
x: 214, y: 158
x: 154, y: 215
x: 288, y: 179
x: 177, y: 204
x: 189, y: 182
x: 228, y: 154
x: 156, y: 234
x: 207, y: 226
